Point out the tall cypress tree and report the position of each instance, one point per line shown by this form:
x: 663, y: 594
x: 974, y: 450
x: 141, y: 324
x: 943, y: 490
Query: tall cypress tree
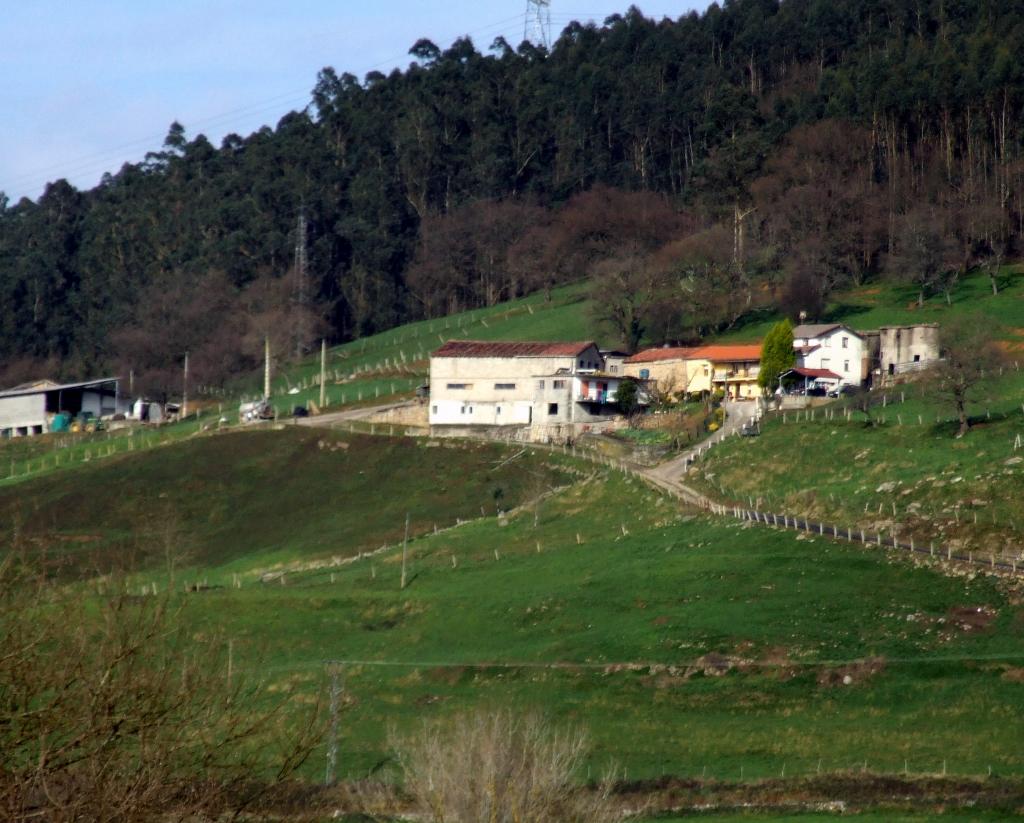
x: 777, y: 354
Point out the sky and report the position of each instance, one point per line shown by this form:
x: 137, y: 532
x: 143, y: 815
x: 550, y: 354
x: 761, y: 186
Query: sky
x: 87, y: 85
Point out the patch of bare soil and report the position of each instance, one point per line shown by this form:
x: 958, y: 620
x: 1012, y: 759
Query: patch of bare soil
x: 851, y: 674
x: 970, y: 619
x: 840, y: 793
x: 837, y: 793
x: 450, y: 675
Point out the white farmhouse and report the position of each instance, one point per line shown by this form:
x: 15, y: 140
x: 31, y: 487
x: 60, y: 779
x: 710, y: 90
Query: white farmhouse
x: 833, y: 348
x: 534, y: 391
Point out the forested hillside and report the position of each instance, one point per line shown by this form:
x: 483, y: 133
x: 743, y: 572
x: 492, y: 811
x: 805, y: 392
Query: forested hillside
x: 693, y: 169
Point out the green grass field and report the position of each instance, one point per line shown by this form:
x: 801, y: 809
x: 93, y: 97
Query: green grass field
x: 687, y: 645
x: 962, y: 492
x: 260, y: 497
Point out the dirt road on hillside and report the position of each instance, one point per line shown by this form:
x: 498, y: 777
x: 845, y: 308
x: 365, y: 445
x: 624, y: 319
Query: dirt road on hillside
x: 325, y: 421
x: 669, y: 475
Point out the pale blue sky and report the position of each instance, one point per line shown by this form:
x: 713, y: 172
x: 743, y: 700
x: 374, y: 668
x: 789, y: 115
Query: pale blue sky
x: 86, y: 85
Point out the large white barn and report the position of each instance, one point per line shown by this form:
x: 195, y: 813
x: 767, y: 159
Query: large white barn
x: 549, y: 391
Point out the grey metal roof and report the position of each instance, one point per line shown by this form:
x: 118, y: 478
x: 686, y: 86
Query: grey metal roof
x: 48, y: 387
x: 818, y: 329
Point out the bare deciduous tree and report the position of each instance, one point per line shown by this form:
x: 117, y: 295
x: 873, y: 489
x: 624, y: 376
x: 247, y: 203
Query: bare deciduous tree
x: 970, y: 359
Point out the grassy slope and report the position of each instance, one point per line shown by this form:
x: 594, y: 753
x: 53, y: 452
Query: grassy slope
x: 964, y: 492
x: 881, y: 304
x: 271, y: 497
x: 788, y: 613
x: 672, y: 590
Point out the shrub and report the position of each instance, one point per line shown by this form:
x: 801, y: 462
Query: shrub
x: 110, y: 710
x: 500, y: 768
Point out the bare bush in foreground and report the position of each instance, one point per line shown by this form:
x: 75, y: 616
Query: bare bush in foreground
x: 111, y: 710
x: 500, y: 768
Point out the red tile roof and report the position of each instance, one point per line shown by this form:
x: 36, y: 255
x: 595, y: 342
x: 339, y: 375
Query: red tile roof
x: 735, y: 352
x: 665, y: 353
x: 497, y: 348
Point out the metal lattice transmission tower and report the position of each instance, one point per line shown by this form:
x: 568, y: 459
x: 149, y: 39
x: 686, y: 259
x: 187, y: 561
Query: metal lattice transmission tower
x: 537, y: 28
x: 301, y: 267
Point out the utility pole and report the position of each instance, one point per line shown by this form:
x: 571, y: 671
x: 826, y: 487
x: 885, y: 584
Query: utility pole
x: 537, y: 26
x: 323, y: 372
x: 334, y: 669
x: 405, y: 547
x: 301, y: 286
x: 184, y: 391
x: 266, y: 368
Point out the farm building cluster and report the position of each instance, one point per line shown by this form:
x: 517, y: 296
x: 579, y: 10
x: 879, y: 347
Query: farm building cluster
x: 45, y: 406
x: 552, y: 391
x: 548, y: 391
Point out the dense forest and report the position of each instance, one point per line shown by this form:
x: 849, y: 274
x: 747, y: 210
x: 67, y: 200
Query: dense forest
x: 763, y: 151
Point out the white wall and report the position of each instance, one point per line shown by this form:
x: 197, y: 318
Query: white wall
x: 471, y: 390
x: 23, y: 410
x: 845, y: 360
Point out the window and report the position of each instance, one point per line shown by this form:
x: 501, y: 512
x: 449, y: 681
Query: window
x: 824, y: 362
x: 499, y: 410
x: 846, y: 342
x: 917, y: 358
x: 645, y: 373
x: 846, y: 365
x: 613, y: 369
x: 504, y: 386
x: 462, y: 410
x: 827, y: 342
x: 558, y: 384
x: 707, y: 369
x: 540, y: 385
x: 552, y: 408
x: 460, y: 385
x: 581, y: 364
x: 435, y: 409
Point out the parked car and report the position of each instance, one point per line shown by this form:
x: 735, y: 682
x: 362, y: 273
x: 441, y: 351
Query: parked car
x: 844, y: 391
x: 816, y: 391
x: 300, y: 411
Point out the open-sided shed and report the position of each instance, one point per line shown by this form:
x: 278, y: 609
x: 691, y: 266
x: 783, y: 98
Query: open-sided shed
x: 30, y: 409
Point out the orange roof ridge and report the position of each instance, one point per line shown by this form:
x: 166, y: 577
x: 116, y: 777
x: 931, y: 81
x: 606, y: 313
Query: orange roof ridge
x: 733, y: 351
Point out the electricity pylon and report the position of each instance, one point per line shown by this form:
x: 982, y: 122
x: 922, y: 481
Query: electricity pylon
x: 537, y: 28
